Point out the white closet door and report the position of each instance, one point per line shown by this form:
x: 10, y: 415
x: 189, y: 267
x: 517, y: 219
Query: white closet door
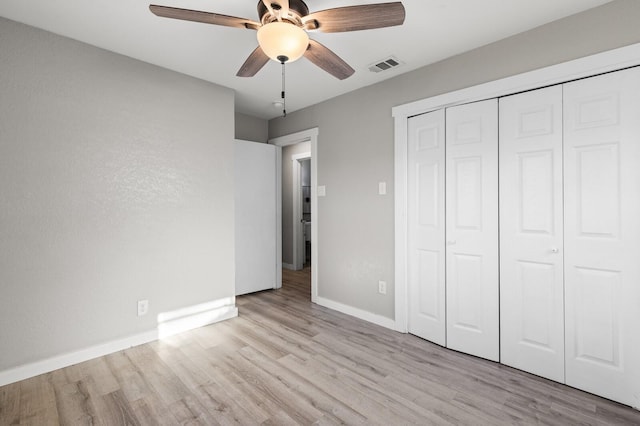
x: 426, y: 227
x: 531, y: 234
x: 472, y: 229
x: 602, y: 235
x: 256, y: 213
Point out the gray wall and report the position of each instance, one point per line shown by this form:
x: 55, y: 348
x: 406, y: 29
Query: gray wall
x: 355, y: 144
x: 287, y: 197
x: 116, y: 184
x: 249, y: 128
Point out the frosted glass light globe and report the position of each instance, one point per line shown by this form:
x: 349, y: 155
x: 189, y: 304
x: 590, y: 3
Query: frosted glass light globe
x: 283, y: 39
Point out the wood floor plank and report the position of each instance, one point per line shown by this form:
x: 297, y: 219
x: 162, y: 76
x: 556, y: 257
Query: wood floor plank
x: 148, y: 414
x: 439, y: 400
x: 332, y: 408
x: 189, y: 411
x: 117, y: 410
x: 72, y: 400
x: 260, y: 339
x: 189, y: 363
x: 157, y: 374
x: 225, y: 408
x: 10, y: 404
x: 131, y: 382
x: 288, y: 361
x: 239, y: 390
x: 272, y: 393
x: 280, y: 419
x: 614, y: 414
x: 137, y: 390
x: 287, y: 338
x: 99, y: 370
x: 38, y: 401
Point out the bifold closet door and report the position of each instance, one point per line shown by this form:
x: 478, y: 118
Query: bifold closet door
x: 531, y: 233
x: 472, y: 229
x: 426, y: 226
x: 602, y: 234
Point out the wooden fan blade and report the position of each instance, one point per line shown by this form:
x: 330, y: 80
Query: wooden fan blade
x: 204, y: 17
x: 356, y: 18
x: 253, y: 64
x: 328, y: 61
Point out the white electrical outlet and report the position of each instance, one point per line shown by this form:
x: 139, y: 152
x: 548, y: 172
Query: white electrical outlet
x: 143, y: 307
x: 382, y: 287
x: 382, y: 188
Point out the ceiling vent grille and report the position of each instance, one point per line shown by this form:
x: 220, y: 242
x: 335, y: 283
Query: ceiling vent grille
x: 385, y: 64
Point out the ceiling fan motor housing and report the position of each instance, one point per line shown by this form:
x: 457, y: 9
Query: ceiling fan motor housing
x: 296, y: 7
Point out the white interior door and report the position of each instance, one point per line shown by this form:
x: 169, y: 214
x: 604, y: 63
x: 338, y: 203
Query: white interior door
x: 531, y: 233
x: 472, y: 229
x: 426, y: 227
x: 602, y: 234
x: 257, y: 188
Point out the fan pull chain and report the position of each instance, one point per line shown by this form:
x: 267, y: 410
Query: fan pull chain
x: 282, y: 95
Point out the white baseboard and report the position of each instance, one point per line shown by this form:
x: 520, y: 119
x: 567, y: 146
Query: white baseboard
x: 288, y: 266
x: 200, y: 316
x: 358, y: 313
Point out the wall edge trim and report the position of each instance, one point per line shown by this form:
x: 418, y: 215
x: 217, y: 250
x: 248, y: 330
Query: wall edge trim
x: 357, y: 313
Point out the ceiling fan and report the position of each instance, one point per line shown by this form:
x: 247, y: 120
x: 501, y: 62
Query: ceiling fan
x: 282, y: 30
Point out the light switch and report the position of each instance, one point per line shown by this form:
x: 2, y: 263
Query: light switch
x: 322, y: 191
x: 382, y: 188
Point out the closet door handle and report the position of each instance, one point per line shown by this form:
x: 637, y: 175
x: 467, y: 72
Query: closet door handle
x: 451, y: 242
x: 554, y: 250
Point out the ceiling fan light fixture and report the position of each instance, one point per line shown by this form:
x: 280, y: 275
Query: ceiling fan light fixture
x: 278, y: 39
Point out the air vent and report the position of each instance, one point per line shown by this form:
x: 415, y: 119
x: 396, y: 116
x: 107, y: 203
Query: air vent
x: 385, y: 64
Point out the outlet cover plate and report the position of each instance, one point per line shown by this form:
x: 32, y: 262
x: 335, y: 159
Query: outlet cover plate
x: 143, y: 307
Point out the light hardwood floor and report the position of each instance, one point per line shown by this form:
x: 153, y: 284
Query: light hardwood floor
x: 287, y: 361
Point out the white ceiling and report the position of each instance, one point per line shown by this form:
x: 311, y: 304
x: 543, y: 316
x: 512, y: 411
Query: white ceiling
x: 433, y: 30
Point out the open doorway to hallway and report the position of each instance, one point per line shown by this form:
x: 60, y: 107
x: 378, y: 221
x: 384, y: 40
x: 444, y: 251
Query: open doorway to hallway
x: 301, y: 213
x: 296, y: 183
x: 305, y: 195
x: 299, y: 205
x: 297, y: 217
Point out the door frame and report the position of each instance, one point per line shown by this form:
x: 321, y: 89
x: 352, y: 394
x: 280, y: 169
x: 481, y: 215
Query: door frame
x: 298, y: 233
x: 588, y: 66
x: 311, y: 136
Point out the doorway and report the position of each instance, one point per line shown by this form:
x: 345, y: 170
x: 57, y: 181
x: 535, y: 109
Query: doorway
x: 301, y: 210
x: 293, y: 243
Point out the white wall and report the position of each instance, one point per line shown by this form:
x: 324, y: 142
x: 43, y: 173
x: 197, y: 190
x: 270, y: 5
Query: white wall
x: 116, y: 184
x: 249, y: 128
x: 355, y: 145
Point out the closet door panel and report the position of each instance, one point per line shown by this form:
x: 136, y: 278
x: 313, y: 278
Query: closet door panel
x: 602, y: 234
x: 531, y: 233
x: 472, y: 229
x: 426, y: 223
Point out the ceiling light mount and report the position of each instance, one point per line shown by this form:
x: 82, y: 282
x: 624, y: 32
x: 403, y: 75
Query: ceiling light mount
x: 274, y: 12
